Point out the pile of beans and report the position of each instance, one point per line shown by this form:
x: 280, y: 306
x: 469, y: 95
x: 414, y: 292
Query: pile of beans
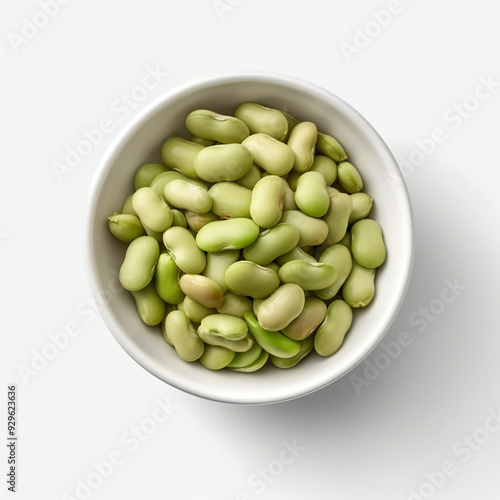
x: 250, y: 243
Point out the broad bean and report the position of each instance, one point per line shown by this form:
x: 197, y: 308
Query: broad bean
x: 152, y: 210
x: 271, y: 243
x: 247, y: 278
x: 311, y: 195
x: 181, y: 245
x: 202, y: 289
x: 179, y: 154
x: 359, y: 287
x: 330, y: 335
x: 184, y: 194
x: 223, y: 162
x: 307, y: 275
x: 302, y: 141
x: 220, y: 128
x: 150, y: 305
x: 267, y: 201
x: 139, y: 264
x: 183, y: 336
x: 282, y: 307
x: 273, y: 156
x: 230, y: 200
x: 261, y: 119
x: 368, y: 246
x: 125, y: 227
x: 229, y: 234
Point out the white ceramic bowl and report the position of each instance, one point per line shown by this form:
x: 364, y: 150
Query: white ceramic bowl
x: 140, y: 142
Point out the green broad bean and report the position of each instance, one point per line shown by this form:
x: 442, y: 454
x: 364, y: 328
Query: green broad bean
x: 235, y: 305
x: 167, y: 280
x: 230, y: 200
x: 249, y: 180
x: 349, y: 177
x: 229, y: 327
x: 185, y: 194
x: 275, y: 343
x: 216, y: 357
x: 145, y: 174
x: 183, y: 336
x: 197, y: 221
x: 151, y: 209
x: 202, y: 289
x: 271, y: 155
x: 200, y: 140
x: 178, y: 218
x: 220, y: 128
x: 306, y: 323
x: 223, y: 162
x: 306, y: 347
x: 139, y: 264
x: 179, y: 154
x: 282, y: 307
x: 361, y: 207
x: 247, y: 278
x: 272, y: 243
x: 311, y: 195
x: 149, y: 304
x: 256, y: 365
x: 337, y: 216
x: 302, y: 141
x: 326, y: 167
x: 181, y: 245
x: 267, y: 201
x: 307, y: 275
x: 368, y: 246
x: 229, y: 234
x: 329, y: 146
x: 330, y: 335
x: 159, y: 182
x: 242, y: 359
x: 359, y: 287
x: 127, y: 207
x: 213, y: 338
x: 194, y: 310
x: 217, y: 264
x: 339, y: 257
x: 125, y: 227
x: 261, y: 119
x: 296, y: 253
x: 312, y: 231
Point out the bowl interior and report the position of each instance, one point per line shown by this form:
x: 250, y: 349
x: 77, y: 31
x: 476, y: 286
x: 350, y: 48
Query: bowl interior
x: 141, y: 141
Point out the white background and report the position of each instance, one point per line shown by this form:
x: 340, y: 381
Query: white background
x: 379, y: 441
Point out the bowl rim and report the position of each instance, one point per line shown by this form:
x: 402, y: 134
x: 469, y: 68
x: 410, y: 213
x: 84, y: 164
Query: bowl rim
x: 114, y: 149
